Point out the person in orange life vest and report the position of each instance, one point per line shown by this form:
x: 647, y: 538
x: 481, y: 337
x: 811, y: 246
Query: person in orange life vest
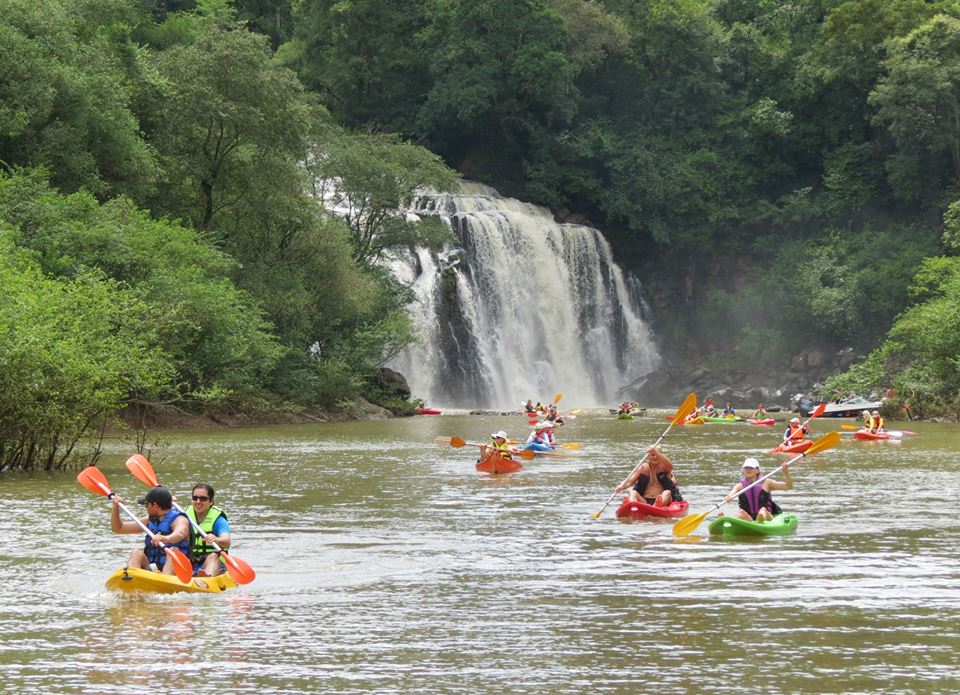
x: 169, y: 526
x: 756, y: 504
x: 653, y: 481
x: 795, y: 432
x: 876, y: 422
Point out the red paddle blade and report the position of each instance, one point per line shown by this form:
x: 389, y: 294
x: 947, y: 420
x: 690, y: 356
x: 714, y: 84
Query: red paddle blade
x: 818, y: 411
x: 94, y: 480
x: 141, y: 468
x: 239, y: 571
x: 181, y: 565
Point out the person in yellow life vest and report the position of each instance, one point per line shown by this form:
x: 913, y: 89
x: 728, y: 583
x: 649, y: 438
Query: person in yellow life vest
x: 795, y: 432
x: 866, y: 419
x: 876, y: 422
x: 498, y: 443
x: 216, y: 529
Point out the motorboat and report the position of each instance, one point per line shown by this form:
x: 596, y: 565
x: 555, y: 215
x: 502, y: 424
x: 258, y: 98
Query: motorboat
x: 851, y: 406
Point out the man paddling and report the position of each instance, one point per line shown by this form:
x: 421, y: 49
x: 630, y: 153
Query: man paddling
x: 653, y: 481
x: 169, y: 526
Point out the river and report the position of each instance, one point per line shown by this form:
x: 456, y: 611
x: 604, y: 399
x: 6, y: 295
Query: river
x: 387, y: 564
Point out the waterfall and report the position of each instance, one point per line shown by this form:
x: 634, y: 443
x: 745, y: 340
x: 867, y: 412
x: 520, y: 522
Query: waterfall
x: 522, y: 308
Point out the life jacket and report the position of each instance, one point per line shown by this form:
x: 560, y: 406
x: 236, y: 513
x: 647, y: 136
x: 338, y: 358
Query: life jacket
x: 876, y: 424
x: 199, y: 547
x: 163, y: 527
x: 794, y: 434
x: 755, y: 499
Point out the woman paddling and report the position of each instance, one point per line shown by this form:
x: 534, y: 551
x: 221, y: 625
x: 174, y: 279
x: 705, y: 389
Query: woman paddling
x: 756, y: 504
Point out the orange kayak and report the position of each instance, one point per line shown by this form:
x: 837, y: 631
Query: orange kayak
x: 797, y: 448
x: 496, y: 463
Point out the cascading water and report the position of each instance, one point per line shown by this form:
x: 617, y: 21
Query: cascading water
x: 523, y: 308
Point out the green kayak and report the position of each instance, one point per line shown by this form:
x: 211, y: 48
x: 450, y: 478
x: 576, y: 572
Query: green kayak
x: 624, y: 416
x: 781, y: 525
x: 720, y: 418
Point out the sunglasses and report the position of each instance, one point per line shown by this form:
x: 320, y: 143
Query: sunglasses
x: 200, y: 498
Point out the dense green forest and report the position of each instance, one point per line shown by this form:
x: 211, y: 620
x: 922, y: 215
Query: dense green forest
x: 782, y: 173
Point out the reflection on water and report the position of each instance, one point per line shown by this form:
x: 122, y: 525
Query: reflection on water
x: 387, y: 564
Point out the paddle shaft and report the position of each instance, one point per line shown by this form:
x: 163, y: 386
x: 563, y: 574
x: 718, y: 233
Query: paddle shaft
x: 640, y: 463
x: 110, y: 495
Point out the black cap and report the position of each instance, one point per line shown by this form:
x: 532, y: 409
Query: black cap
x: 160, y: 495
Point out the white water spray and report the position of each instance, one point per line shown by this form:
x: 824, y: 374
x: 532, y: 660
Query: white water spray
x: 524, y: 308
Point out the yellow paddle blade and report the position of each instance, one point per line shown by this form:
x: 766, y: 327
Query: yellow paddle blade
x: 570, y: 445
x: 576, y: 412
x: 827, y: 441
x: 688, y: 523
x: 556, y: 399
x: 851, y: 427
x: 689, y: 403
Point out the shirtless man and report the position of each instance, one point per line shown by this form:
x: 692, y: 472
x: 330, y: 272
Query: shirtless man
x: 653, y: 481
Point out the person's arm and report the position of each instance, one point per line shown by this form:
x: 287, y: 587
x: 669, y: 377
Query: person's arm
x: 730, y: 495
x: 631, y: 479
x: 787, y: 484
x: 221, y: 533
x: 179, y: 532
x: 118, y: 525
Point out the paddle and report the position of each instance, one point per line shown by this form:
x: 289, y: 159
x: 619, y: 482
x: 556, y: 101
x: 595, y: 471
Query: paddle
x: 95, y: 481
x: 817, y: 412
x: 689, y: 523
x: 556, y: 399
x: 240, y: 571
x: 459, y: 442
x: 689, y: 403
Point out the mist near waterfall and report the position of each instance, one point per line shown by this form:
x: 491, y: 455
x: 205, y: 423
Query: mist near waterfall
x: 522, y: 308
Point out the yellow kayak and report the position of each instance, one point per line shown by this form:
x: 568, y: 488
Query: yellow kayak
x: 132, y: 579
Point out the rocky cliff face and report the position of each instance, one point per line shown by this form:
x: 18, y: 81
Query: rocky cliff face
x: 802, y: 373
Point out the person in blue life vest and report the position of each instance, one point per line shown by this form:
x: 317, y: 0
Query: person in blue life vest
x: 728, y: 410
x: 653, y: 481
x: 212, y: 520
x: 756, y: 504
x: 169, y: 525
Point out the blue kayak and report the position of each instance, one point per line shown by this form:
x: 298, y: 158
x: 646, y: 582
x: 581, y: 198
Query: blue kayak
x: 534, y: 446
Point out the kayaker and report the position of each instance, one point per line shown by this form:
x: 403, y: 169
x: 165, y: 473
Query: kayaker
x: 653, y: 481
x: 549, y: 435
x: 529, y: 407
x: 866, y: 419
x: 206, y: 561
x: 876, y: 422
x: 538, y: 440
x: 795, y: 432
x: 710, y: 410
x: 169, y: 525
x: 728, y: 410
x: 759, y: 413
x: 756, y: 504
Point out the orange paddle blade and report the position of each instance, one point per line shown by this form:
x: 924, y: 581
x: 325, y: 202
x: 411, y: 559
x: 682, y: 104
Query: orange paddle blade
x: 556, y: 399
x: 818, y: 411
x: 457, y: 442
x: 239, y: 571
x: 141, y: 468
x: 94, y: 480
x: 181, y: 565
x: 525, y: 454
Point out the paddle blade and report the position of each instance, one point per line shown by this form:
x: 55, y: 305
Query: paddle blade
x: 94, y: 480
x: 239, y: 571
x: 181, y: 565
x: 525, y: 454
x: 818, y: 411
x: 688, y: 523
x: 689, y: 403
x: 827, y: 441
x: 573, y: 446
x: 141, y: 468
x: 851, y: 427
x: 556, y: 399
x: 457, y: 442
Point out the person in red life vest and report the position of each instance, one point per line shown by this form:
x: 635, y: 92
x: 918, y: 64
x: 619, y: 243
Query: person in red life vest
x: 756, y: 504
x: 795, y: 432
x: 169, y: 526
x: 653, y: 481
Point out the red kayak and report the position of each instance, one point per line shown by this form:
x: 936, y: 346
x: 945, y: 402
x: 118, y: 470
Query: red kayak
x: 496, y: 463
x: 867, y: 436
x: 765, y: 421
x: 426, y: 411
x: 641, y: 510
x: 797, y: 448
